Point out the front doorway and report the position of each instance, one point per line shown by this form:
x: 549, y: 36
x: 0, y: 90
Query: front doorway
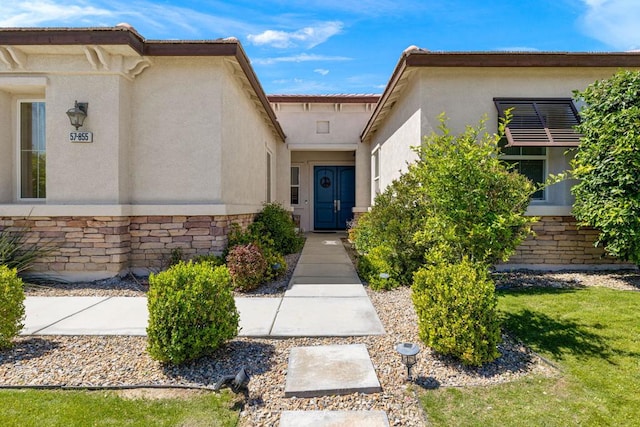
x: 334, y: 196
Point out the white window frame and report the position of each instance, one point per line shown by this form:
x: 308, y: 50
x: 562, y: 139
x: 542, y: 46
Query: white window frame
x: 375, y: 169
x: 18, y: 144
x: 292, y: 185
x: 545, y: 166
x: 269, y: 186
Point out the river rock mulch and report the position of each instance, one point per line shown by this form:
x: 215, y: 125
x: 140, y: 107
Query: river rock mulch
x: 122, y: 361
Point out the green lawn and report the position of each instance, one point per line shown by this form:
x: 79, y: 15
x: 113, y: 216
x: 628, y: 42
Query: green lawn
x: 592, y: 334
x: 100, y: 408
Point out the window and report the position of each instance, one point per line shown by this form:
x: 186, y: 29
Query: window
x: 268, y: 177
x: 540, y: 122
x: 32, y: 143
x: 530, y: 162
x: 295, y: 185
x: 376, y: 171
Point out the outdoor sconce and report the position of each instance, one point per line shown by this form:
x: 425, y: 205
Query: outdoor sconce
x: 409, y: 352
x: 78, y: 113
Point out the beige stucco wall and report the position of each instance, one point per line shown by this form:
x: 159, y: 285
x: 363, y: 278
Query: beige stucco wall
x: 176, y: 140
x: 6, y: 148
x: 340, y: 146
x: 394, y: 139
x: 79, y: 173
x: 246, y: 140
x: 466, y: 95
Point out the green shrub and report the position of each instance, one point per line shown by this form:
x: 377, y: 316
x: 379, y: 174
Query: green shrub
x: 191, y: 312
x: 211, y: 259
x: 11, y: 305
x: 278, y: 224
x: 247, y: 266
x: 607, y: 164
x: 15, y: 252
x: 375, y: 268
x: 456, y: 308
x: 276, y: 264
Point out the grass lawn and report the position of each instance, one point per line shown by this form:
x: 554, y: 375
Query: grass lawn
x: 592, y: 334
x: 106, y: 408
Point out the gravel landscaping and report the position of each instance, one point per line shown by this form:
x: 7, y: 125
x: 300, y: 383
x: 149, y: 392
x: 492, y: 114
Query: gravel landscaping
x: 117, y: 361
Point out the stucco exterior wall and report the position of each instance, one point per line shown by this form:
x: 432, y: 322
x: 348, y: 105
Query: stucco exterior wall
x: 6, y: 147
x: 176, y: 139
x: 466, y: 95
x: 79, y: 173
x: 402, y: 129
x: 246, y: 140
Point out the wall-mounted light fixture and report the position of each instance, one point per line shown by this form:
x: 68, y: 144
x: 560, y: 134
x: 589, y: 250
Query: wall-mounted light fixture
x: 78, y: 113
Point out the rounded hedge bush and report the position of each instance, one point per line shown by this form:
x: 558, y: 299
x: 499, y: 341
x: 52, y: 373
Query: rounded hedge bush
x: 191, y: 312
x: 456, y: 308
x: 11, y: 305
x: 247, y: 266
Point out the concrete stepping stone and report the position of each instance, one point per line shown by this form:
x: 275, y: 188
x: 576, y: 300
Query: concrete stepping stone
x: 330, y: 370
x: 334, y: 419
x: 325, y: 270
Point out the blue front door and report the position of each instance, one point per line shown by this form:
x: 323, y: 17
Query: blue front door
x: 334, y: 196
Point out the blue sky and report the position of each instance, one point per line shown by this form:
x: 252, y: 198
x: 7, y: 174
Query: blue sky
x: 344, y: 46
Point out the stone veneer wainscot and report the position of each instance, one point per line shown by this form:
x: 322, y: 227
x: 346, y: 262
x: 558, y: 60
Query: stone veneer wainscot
x: 117, y: 244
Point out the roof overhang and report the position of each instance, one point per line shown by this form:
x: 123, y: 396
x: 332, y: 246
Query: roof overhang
x: 413, y: 58
x: 124, y: 38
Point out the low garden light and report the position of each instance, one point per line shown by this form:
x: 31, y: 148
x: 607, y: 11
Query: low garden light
x: 409, y: 354
x: 78, y: 113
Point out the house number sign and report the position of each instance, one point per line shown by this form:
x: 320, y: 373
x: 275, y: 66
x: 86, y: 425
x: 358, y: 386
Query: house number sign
x: 80, y: 136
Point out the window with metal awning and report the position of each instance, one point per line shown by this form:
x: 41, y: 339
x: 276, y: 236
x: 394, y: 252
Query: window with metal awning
x: 540, y: 122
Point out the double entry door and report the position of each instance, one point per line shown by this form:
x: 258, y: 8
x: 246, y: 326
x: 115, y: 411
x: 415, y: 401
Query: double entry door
x: 334, y: 196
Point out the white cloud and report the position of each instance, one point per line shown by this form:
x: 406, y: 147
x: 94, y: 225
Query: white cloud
x: 35, y: 13
x: 613, y: 22
x: 303, y: 57
x: 321, y: 71
x: 151, y: 19
x: 307, y: 36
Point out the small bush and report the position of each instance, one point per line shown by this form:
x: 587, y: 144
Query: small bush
x: 247, y: 266
x: 276, y: 264
x: 456, y: 308
x: 191, y: 312
x: 375, y: 268
x: 211, y: 259
x: 277, y: 223
x: 16, y: 253
x: 11, y: 305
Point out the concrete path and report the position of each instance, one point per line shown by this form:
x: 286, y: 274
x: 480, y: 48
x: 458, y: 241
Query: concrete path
x: 325, y: 298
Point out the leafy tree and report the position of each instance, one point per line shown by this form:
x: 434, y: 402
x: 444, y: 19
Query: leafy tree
x: 607, y: 163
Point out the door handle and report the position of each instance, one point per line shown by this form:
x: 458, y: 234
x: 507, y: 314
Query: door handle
x: 338, y: 206
x: 335, y: 206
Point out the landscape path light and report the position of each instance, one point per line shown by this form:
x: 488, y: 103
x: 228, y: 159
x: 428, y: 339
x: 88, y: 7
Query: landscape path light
x: 409, y: 353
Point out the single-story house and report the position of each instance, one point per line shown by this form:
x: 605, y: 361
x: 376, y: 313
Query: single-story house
x: 179, y: 141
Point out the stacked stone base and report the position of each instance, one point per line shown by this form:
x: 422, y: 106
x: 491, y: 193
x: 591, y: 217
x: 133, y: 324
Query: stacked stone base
x: 558, y: 241
x: 113, y: 245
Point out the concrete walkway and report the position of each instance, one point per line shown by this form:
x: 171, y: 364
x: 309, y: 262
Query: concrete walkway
x: 324, y: 298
